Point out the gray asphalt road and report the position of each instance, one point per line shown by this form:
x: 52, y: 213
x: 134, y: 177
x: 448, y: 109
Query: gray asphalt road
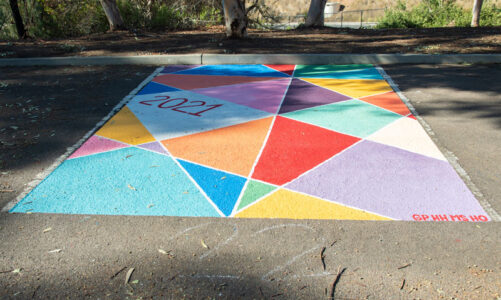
x: 213, y: 258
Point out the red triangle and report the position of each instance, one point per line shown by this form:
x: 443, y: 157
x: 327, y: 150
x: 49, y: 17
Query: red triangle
x: 287, y: 69
x: 191, y: 82
x: 294, y: 148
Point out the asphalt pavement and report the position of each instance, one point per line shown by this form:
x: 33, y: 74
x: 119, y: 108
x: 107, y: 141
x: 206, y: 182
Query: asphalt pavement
x: 77, y: 256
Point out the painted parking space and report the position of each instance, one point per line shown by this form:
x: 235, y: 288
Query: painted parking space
x: 260, y: 141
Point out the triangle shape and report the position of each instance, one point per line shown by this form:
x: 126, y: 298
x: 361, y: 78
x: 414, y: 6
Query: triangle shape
x: 318, y: 71
x: 125, y: 127
x: 233, y: 149
x: 177, y: 68
x: 290, y: 205
x: 353, y: 117
x: 121, y: 182
x: 221, y: 187
x: 412, y: 117
x: 191, y: 82
x: 362, y: 71
x: 302, y: 95
x: 390, y: 182
x: 287, y: 69
x: 234, y: 70
x: 294, y: 148
x: 96, y: 144
x: 182, y: 113
x: 155, y: 88
x: 407, y: 134
x: 155, y: 147
x: 262, y: 95
x: 354, y: 88
x: 390, y: 101
x: 254, y: 191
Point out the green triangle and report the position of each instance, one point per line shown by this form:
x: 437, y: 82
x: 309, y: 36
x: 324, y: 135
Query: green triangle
x: 254, y: 191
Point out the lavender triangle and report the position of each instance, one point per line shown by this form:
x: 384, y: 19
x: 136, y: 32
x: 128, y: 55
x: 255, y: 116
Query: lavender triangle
x: 155, y: 147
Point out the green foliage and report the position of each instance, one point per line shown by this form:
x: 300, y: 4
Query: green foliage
x: 68, y: 18
x: 167, y: 15
x: 7, y: 27
x: 436, y: 13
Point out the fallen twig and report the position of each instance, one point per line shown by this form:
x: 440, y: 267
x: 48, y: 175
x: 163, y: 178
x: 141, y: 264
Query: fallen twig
x: 6, y: 191
x: 34, y: 292
x: 118, y: 272
x: 404, y: 266
x: 403, y: 284
x: 129, y: 274
x: 336, y: 280
x: 322, y: 257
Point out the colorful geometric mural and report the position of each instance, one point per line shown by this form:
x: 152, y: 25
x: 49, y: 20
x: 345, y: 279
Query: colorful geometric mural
x: 260, y: 141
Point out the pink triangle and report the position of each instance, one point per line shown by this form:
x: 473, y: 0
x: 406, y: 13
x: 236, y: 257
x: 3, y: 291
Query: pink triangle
x: 96, y: 144
x: 262, y: 95
x: 155, y: 147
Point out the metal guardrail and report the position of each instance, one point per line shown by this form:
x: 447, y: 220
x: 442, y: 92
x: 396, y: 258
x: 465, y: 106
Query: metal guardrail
x: 335, y: 18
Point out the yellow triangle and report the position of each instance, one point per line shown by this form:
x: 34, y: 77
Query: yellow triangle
x: 126, y: 127
x: 354, y: 88
x: 290, y: 205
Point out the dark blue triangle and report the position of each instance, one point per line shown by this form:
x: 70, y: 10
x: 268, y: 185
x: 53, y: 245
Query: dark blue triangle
x: 156, y: 88
x: 221, y: 187
x: 234, y: 70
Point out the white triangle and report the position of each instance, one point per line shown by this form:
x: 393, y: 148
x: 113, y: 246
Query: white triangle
x: 407, y: 134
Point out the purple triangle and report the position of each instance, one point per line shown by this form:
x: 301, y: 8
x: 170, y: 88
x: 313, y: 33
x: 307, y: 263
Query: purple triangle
x: 302, y: 94
x: 391, y: 182
x: 155, y: 147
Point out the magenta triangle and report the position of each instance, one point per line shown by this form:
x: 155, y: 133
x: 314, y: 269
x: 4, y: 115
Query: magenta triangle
x: 302, y: 95
x: 263, y: 95
x: 97, y: 144
x: 155, y: 147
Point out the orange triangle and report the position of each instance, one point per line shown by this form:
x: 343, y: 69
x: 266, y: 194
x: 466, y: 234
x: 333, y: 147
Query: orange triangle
x: 233, y: 149
x: 190, y: 82
x: 390, y: 101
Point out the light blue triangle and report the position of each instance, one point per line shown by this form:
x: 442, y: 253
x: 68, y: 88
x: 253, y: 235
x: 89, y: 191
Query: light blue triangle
x: 129, y: 181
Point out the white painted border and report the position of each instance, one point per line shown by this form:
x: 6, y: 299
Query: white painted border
x: 451, y: 158
x: 42, y: 175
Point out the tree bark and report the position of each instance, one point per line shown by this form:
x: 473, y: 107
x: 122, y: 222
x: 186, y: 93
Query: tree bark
x: 315, y: 15
x: 477, y: 7
x: 21, y: 31
x: 235, y: 18
x: 112, y: 14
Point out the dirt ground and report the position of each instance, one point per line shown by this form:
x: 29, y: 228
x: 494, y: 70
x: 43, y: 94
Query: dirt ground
x: 326, y: 40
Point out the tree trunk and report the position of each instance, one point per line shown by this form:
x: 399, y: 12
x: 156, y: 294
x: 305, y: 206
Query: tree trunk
x: 235, y: 18
x: 477, y: 6
x: 315, y: 15
x: 113, y: 14
x: 21, y: 31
